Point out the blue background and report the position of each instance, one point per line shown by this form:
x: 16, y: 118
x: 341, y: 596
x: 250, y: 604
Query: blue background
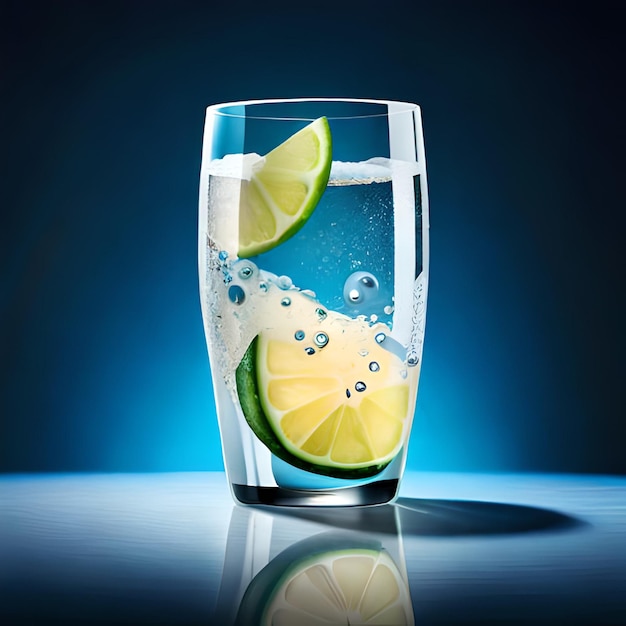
x: 104, y: 365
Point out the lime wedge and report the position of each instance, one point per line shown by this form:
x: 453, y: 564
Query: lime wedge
x: 247, y: 389
x: 285, y: 189
x: 323, y: 393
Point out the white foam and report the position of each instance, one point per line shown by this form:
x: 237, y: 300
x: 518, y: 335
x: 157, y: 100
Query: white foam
x: 240, y: 166
x: 377, y: 169
x: 348, y: 170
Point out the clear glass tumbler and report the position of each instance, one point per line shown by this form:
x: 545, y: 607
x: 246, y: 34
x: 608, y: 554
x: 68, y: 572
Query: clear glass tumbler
x: 313, y: 260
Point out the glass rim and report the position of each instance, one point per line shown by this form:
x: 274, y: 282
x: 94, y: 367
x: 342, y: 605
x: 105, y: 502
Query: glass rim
x: 402, y: 107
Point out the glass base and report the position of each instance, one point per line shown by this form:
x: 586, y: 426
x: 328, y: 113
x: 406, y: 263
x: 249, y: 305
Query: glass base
x: 371, y: 494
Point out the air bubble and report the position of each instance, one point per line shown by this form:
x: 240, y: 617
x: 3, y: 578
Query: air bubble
x: 363, y: 352
x: 412, y: 360
x: 309, y: 350
x: 374, y: 367
x: 403, y: 373
x: 223, y: 255
x: 321, y: 339
x: 285, y: 301
x: 284, y: 282
x: 388, y: 310
x: 380, y: 337
x: 299, y: 335
x: 360, y: 287
x: 236, y: 294
x: 348, y: 394
x: 321, y: 314
x: 373, y: 317
x: 360, y: 386
x: 245, y: 272
x: 263, y: 287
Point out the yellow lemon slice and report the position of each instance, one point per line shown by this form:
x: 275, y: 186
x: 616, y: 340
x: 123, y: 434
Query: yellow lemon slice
x: 285, y: 189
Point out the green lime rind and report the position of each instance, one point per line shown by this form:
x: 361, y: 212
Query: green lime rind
x: 249, y: 399
x: 268, y: 581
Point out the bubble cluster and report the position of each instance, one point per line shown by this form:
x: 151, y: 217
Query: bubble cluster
x: 237, y: 277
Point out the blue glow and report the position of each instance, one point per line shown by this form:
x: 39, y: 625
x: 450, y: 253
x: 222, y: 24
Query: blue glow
x: 104, y: 364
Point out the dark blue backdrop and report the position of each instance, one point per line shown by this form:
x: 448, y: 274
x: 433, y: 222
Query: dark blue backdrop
x: 104, y: 365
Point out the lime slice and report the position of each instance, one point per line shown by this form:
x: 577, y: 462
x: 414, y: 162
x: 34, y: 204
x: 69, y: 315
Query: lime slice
x: 283, y: 191
x: 247, y: 389
x: 353, y: 585
x: 343, y: 587
x: 323, y: 392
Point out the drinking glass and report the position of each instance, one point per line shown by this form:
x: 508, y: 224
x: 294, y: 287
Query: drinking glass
x: 313, y: 263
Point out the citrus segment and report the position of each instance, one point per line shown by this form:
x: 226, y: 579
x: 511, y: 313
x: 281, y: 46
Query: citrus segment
x: 284, y: 189
x: 285, y: 393
x: 299, y: 424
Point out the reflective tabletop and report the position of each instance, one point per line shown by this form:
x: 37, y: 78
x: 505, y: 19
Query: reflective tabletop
x: 175, y: 549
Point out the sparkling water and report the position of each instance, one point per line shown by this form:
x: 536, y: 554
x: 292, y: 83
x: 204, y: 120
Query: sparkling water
x: 342, y: 260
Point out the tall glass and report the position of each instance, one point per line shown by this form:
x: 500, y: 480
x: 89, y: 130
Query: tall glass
x: 313, y: 260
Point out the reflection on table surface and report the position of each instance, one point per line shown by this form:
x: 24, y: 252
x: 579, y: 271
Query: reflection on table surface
x: 284, y: 570
x: 174, y: 549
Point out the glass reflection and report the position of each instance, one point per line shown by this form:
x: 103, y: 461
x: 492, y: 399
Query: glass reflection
x: 281, y: 571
